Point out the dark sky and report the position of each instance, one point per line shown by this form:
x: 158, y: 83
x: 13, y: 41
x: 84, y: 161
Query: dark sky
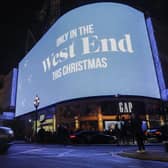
x: 17, y: 16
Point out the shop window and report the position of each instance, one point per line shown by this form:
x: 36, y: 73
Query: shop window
x: 108, y: 108
x: 89, y: 110
x: 89, y: 125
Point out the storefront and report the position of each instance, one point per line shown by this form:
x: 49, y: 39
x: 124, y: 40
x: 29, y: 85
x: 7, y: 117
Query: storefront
x: 103, y: 113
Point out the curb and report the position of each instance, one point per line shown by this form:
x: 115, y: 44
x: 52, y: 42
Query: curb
x: 148, y: 155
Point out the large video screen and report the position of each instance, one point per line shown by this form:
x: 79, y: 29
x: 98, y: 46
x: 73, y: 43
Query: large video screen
x: 94, y: 50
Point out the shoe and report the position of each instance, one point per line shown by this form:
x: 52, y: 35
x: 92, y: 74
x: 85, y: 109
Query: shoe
x: 142, y: 151
x: 138, y: 151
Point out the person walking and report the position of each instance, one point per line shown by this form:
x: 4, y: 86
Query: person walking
x: 138, y: 132
x: 124, y: 131
x: 41, y: 135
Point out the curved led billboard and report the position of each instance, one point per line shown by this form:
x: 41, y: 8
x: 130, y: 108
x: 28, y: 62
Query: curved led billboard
x: 94, y: 50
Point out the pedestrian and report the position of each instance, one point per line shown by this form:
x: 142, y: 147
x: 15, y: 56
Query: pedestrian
x: 117, y: 133
x: 164, y: 132
x: 124, y: 127
x: 131, y: 138
x: 41, y: 134
x: 138, y: 132
x: 63, y: 134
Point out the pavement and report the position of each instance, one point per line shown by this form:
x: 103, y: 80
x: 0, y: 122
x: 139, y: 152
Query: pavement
x: 154, y: 155
x: 149, y: 154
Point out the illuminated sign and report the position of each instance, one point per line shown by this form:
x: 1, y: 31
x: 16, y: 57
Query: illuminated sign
x: 125, y: 107
x: 94, y: 50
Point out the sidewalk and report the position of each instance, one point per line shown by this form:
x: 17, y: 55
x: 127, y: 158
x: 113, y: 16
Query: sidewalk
x: 150, y: 154
x: 154, y: 155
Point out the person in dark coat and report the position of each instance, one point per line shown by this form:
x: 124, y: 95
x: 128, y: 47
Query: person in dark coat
x: 41, y: 135
x: 164, y: 132
x: 138, y: 132
x: 124, y: 131
x: 63, y: 134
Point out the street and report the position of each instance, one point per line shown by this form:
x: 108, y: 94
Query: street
x: 22, y: 155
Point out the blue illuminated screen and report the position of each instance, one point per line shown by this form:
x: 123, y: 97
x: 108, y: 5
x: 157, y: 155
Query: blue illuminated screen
x: 95, y: 50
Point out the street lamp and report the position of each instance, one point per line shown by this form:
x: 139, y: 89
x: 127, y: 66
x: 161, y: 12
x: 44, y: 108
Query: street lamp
x: 36, y: 104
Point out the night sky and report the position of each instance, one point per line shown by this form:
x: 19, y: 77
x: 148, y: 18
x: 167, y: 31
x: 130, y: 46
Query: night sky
x: 18, y: 16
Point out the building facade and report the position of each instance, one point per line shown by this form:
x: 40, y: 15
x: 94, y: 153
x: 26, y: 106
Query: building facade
x: 92, y: 74
x: 8, y: 97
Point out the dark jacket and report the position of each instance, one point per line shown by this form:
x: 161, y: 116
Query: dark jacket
x: 137, y: 127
